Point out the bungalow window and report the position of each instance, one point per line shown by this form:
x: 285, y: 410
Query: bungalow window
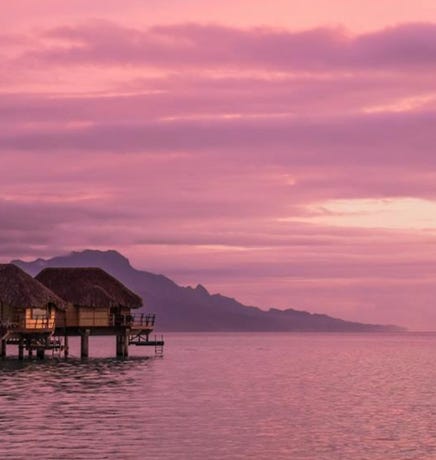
x: 37, y: 313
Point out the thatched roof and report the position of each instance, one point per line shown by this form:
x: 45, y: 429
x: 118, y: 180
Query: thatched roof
x: 20, y: 290
x: 88, y: 287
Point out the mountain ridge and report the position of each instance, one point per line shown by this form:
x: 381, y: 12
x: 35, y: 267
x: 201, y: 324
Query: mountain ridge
x: 181, y: 308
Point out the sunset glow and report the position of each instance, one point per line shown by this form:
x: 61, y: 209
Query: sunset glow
x: 280, y: 155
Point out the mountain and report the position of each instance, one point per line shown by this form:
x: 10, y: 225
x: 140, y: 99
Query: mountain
x: 194, y: 309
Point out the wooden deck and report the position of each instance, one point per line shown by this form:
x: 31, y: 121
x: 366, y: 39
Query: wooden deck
x: 46, y: 335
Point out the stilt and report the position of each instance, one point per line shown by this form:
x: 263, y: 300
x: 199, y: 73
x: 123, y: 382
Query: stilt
x: 29, y: 347
x: 3, y: 349
x: 126, y: 343
x: 122, y: 341
x: 40, y: 353
x: 66, y: 349
x: 84, y: 344
x: 21, y: 349
x: 118, y: 339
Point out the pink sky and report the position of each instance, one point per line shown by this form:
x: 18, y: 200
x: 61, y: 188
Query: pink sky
x: 278, y: 152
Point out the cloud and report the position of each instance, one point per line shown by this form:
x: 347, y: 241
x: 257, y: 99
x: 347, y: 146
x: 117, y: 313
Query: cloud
x: 213, y: 46
x: 367, y: 140
x: 209, y: 97
x: 204, y: 152
x: 210, y: 222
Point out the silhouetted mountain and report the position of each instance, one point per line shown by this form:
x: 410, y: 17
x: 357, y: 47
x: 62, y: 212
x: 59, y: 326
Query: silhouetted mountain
x: 188, y: 309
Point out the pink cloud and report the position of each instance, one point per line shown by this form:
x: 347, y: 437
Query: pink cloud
x: 192, y: 45
x: 393, y: 140
x: 201, y: 146
x: 200, y: 97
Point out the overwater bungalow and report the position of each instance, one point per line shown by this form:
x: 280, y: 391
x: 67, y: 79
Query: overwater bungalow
x: 28, y: 311
x: 98, y: 304
x: 95, y: 298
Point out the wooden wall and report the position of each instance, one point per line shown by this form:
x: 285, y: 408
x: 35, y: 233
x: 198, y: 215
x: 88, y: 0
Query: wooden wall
x: 83, y: 317
x: 29, y: 318
x: 88, y: 317
x: 70, y: 316
x: 93, y: 317
x: 7, y: 313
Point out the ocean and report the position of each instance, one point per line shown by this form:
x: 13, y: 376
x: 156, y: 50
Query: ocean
x: 227, y: 396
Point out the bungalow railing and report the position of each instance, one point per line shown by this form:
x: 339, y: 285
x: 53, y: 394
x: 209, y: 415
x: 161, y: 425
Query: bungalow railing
x: 139, y: 320
x: 39, y: 322
x: 6, y: 327
x: 6, y: 324
x: 144, y: 320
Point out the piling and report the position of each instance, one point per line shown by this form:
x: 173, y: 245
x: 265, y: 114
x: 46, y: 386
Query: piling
x: 84, y: 344
x: 126, y: 343
x: 122, y: 344
x: 21, y: 349
x: 3, y: 348
x: 40, y: 353
x: 66, y: 348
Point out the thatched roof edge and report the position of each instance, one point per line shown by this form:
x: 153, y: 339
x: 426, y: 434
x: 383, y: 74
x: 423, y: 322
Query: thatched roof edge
x: 19, y: 290
x: 88, y: 287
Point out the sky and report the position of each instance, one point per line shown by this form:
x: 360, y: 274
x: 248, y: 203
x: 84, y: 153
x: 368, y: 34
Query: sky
x: 282, y: 153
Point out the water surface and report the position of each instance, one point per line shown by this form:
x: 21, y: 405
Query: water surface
x: 228, y: 396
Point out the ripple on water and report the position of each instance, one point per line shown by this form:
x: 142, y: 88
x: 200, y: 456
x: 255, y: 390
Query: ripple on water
x: 298, y: 396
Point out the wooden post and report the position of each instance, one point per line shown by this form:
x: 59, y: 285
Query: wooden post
x: 119, y: 339
x: 21, y: 349
x: 66, y: 349
x: 122, y: 341
x: 29, y: 347
x: 126, y: 343
x: 40, y: 353
x: 3, y: 349
x: 84, y: 344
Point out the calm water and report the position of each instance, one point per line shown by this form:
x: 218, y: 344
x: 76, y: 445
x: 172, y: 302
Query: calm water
x: 227, y: 396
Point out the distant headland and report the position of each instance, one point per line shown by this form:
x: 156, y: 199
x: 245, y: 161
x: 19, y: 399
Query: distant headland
x: 194, y: 309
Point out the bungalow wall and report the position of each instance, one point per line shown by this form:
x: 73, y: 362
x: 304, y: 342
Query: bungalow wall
x: 84, y: 317
x: 92, y: 316
x: 69, y: 317
x: 7, y: 313
x: 98, y: 317
x: 28, y: 318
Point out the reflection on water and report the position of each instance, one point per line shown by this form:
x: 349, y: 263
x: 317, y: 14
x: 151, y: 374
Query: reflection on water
x: 73, y: 409
x: 78, y: 409
x: 222, y: 396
